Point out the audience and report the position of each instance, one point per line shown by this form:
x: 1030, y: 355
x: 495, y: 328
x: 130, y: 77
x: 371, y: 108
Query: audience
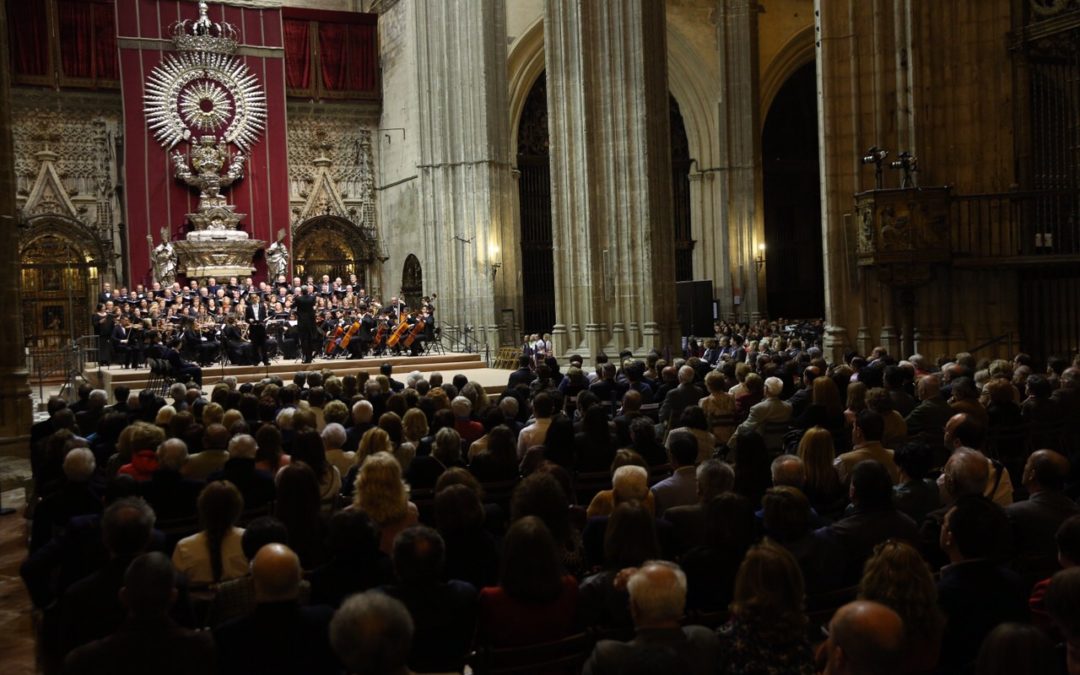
x: 842, y: 510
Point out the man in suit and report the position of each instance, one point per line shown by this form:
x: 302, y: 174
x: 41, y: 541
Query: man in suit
x: 149, y: 641
x: 523, y: 375
x: 680, y: 489
x: 280, y: 636
x: 366, y: 333
x: 255, y: 316
x: 932, y: 412
x: 866, y: 441
x: 681, y: 397
x: 305, y: 322
x: 771, y: 411
x: 804, y: 395
x: 255, y: 485
x: 171, y: 493
x: 714, y: 478
x: 1036, y: 519
x: 657, y: 600
x: 181, y: 367
x: 864, y: 637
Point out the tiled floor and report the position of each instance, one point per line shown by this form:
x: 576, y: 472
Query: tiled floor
x: 16, y: 635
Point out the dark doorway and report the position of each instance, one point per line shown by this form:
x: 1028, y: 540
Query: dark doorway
x: 534, y: 196
x: 795, y: 276
x: 680, y: 194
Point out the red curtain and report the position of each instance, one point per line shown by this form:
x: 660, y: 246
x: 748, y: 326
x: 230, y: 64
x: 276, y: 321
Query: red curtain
x: 363, y: 57
x: 28, y: 34
x: 333, y: 56
x: 297, y: 54
x: 87, y: 39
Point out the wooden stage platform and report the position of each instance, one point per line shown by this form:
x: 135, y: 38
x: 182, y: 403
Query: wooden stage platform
x: 493, y: 380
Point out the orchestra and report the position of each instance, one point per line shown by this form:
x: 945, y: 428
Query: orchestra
x: 245, y: 323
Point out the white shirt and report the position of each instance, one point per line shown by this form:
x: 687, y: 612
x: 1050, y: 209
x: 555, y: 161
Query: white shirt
x: 192, y: 557
x: 533, y: 434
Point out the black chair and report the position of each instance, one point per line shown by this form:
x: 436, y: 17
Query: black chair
x: 161, y: 376
x: 567, y: 655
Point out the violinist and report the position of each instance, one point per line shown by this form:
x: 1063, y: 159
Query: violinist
x: 237, y: 348
x: 255, y: 315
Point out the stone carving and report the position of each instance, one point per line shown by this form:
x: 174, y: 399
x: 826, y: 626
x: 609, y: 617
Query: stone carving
x: 903, y: 233
x: 163, y: 259
x: 1048, y: 8
x: 277, y: 257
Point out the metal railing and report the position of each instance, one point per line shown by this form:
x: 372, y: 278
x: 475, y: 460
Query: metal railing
x: 455, y: 339
x: 66, y: 364
x: 1013, y: 224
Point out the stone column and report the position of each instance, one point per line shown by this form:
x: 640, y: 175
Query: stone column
x: 610, y: 153
x: 740, y: 149
x: 16, y: 415
x: 466, y: 187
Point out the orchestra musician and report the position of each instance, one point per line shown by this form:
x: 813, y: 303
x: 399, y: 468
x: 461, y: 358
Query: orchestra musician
x: 236, y: 347
x: 368, y: 326
x: 180, y: 367
x: 305, y: 318
x: 255, y: 315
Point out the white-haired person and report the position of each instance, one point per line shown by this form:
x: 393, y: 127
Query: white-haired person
x: 628, y: 483
x: 334, y: 436
x: 75, y: 497
x: 767, y: 416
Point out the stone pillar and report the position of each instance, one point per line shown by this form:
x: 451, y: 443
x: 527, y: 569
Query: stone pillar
x: 740, y: 148
x: 610, y: 151
x: 466, y: 186
x: 16, y: 415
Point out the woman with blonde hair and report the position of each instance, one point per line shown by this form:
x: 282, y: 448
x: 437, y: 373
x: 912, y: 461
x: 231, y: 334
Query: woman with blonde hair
x: 719, y: 407
x: 823, y: 487
x: 381, y: 493
x: 767, y: 629
x: 213, y: 413
x: 898, y: 577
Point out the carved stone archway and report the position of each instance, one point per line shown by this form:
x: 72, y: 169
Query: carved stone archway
x: 338, y: 248
x: 61, y: 265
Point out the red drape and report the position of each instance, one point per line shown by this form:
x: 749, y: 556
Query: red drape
x: 297, y: 54
x: 87, y: 39
x: 333, y: 56
x: 28, y: 34
x: 348, y: 56
x: 363, y: 57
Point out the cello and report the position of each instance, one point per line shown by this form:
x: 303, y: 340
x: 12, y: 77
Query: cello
x: 350, y: 334
x: 417, y: 331
x: 379, y: 341
x: 393, y: 340
x: 332, y: 339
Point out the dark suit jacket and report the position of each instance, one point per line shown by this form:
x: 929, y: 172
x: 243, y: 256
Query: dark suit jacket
x: 687, y: 526
x: 305, y: 312
x: 280, y: 638
x: 520, y: 376
x: 444, y: 616
x: 256, y: 485
x: 929, y: 416
x: 1035, y: 522
x: 859, y: 533
x: 171, y: 494
x: 346, y: 574
x: 677, y: 400
x: 976, y: 596
x: 691, y: 649
x: 145, y: 646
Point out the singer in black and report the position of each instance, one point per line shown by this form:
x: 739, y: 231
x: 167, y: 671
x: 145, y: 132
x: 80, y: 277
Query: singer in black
x: 305, y: 322
x: 255, y: 316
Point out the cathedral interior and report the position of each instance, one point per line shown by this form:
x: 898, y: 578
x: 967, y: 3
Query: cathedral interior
x: 905, y: 170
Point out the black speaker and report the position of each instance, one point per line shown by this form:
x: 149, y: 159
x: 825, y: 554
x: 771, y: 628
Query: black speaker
x: 695, y: 307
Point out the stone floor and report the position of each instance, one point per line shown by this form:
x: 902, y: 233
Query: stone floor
x: 16, y: 634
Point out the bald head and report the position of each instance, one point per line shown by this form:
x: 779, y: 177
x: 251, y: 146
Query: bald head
x: 1045, y: 470
x: 276, y: 573
x: 865, y: 638
x: 929, y: 387
x: 657, y: 594
x: 686, y: 375
x: 966, y: 473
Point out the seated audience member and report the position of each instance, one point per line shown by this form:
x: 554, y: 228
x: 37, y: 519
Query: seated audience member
x: 169, y: 492
x: 767, y: 629
x: 711, y: 567
x: 355, y: 563
x: 535, y: 600
x: 643, y: 442
x: 680, y: 489
x: 1036, y: 519
x: 1068, y: 555
x: 372, y: 634
x: 76, y: 496
x: 212, y: 456
x: 236, y: 597
x: 964, y: 475
x: 214, y: 554
x: 915, y: 494
x: 443, y: 612
x: 932, y: 411
x: 897, y: 577
x: 714, y: 478
x: 334, y: 436
x: 962, y: 431
x: 866, y: 437
x: 752, y: 468
x: 864, y: 637
x: 90, y: 608
x: 872, y: 520
x: 630, y: 539
x: 255, y: 485
x: 594, y: 445
x: 498, y: 460
x: 280, y: 635
x: 823, y: 487
x: 1017, y: 649
x: 894, y: 431
x: 544, y: 495
x: 719, y: 407
x: 298, y: 505
x: 769, y: 412
x: 534, y: 434
x: 1063, y: 606
x: 628, y: 483
x: 446, y: 453
x: 693, y: 420
x: 975, y: 591
x: 307, y: 447
x: 149, y: 641
x: 657, y: 593
x: 786, y: 517
x: 472, y: 554
x: 384, y: 497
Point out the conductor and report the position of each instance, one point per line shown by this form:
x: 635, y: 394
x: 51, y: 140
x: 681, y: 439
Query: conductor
x: 305, y: 322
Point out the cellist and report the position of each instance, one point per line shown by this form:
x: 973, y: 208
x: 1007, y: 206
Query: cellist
x: 368, y: 326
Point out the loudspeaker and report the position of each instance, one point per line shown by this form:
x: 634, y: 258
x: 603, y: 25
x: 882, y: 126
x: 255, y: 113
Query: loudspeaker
x: 695, y: 307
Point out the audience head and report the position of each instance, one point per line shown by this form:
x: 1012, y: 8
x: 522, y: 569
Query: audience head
x: 915, y: 459
x: 629, y: 483
x: 788, y: 470
x: 714, y: 477
x: 1045, y: 470
x: 871, y: 486
x: 657, y: 594
x: 963, y: 431
x: 769, y: 592
x: 260, y: 532
x: 1016, y: 649
x: 869, y: 427
x: 276, y: 574
x: 897, y: 576
x: 79, y: 465
x: 126, y: 527
x: 865, y: 638
x: 242, y: 446
x: 774, y: 386
x: 786, y: 512
x: 371, y: 633
x: 630, y: 537
x: 682, y: 447
x: 531, y: 569
x: 972, y: 528
x: 1068, y: 542
x: 149, y: 588
x: 419, y: 555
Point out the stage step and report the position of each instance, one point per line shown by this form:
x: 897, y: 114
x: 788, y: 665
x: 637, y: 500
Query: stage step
x: 494, y: 381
